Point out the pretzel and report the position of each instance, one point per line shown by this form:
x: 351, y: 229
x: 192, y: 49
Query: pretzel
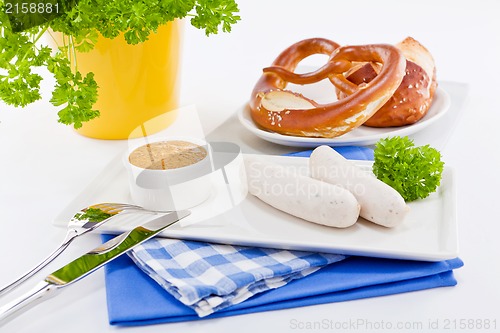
x: 275, y: 109
x: 414, y: 96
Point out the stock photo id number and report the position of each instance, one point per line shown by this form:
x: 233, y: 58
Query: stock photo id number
x: 432, y: 324
x: 25, y: 14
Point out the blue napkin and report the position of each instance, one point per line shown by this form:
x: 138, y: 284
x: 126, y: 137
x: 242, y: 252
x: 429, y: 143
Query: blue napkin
x: 136, y: 299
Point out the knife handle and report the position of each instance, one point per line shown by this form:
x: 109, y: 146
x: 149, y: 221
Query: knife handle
x: 42, y: 291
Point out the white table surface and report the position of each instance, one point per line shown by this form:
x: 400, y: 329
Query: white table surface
x: 44, y: 165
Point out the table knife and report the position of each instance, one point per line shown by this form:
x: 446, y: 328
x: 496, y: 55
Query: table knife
x: 88, y: 263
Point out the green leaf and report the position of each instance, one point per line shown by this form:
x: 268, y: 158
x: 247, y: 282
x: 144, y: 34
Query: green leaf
x: 212, y: 14
x: 414, y: 172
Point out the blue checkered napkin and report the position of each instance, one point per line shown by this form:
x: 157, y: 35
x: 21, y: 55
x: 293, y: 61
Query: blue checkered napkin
x: 210, y: 277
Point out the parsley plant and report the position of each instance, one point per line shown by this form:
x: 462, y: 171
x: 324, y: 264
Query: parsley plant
x: 81, y: 22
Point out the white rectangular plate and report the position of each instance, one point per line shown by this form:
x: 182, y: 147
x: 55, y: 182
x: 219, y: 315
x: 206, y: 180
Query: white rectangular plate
x: 428, y: 233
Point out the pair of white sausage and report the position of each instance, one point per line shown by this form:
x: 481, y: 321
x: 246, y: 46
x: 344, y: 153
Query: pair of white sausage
x: 379, y: 202
x: 301, y: 196
x: 335, y: 195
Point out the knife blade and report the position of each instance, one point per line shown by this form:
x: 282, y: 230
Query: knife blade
x: 88, y: 263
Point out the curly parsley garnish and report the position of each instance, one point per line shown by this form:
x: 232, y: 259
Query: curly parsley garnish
x: 93, y: 215
x: 414, y: 172
x: 81, y: 22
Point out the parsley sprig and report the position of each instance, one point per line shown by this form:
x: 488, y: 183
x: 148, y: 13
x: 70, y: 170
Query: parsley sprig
x: 93, y: 215
x: 414, y: 172
x: 81, y: 23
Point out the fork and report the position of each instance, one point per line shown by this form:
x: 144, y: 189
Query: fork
x: 82, y: 222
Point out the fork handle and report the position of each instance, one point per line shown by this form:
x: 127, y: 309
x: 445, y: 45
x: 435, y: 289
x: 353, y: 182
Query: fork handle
x: 42, y: 291
x: 69, y: 237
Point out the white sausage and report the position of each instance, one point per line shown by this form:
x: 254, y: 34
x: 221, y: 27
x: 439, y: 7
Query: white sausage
x: 379, y: 202
x: 301, y: 196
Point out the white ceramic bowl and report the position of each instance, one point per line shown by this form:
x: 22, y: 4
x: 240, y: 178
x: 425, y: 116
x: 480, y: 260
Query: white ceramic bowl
x: 171, y: 189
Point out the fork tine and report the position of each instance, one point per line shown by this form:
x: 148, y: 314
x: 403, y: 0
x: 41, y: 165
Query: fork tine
x: 102, y: 206
x: 121, y: 205
x: 115, y: 208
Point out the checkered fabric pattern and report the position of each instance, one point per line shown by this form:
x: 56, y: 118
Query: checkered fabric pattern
x: 210, y: 277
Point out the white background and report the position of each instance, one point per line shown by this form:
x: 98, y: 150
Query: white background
x: 44, y: 165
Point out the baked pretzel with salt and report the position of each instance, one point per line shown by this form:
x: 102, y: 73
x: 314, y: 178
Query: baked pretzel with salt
x: 279, y: 110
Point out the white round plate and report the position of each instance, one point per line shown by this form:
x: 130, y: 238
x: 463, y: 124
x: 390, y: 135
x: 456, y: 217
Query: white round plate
x: 362, y: 135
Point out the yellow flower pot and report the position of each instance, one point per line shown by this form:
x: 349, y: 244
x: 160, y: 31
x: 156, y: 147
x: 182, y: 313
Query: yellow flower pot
x: 136, y: 83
